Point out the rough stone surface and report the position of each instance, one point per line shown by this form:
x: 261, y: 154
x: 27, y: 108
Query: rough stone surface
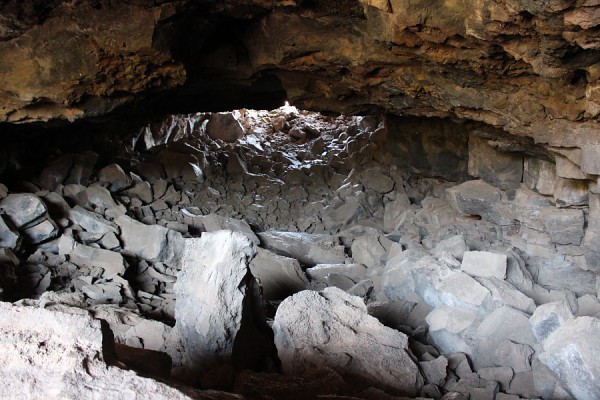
x: 565, y: 226
x: 224, y: 126
x: 152, y: 242
x: 484, y: 264
x: 549, y: 317
x: 501, y: 169
x: 216, y: 296
x: 569, y: 352
x: 279, y: 276
x: 23, y: 208
x: 310, y: 328
x: 479, y: 198
x: 57, y: 355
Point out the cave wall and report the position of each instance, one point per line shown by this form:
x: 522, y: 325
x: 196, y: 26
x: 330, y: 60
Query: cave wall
x: 526, y: 71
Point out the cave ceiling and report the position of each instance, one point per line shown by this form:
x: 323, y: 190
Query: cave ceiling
x: 531, y: 68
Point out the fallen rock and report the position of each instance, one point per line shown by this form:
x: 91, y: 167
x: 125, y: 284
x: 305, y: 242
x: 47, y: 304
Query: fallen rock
x: 456, y: 246
x: 41, y: 232
x: 479, y: 198
x: 79, y: 254
x: 517, y: 356
x: 279, y: 276
x: 114, y: 178
x: 9, y: 237
x: 47, y: 354
x: 150, y: 242
x: 484, y: 264
x: 393, y: 211
x: 370, y: 250
x: 549, y: 317
x: 217, y: 319
x: 23, y: 208
x: 503, y: 293
x: 570, y: 353
x: 311, y: 327
x: 214, y: 222
x: 56, y: 172
x: 225, y: 127
x: 82, y: 169
x: 502, y: 324
x: 435, y: 370
x: 295, y: 245
x: 91, y: 221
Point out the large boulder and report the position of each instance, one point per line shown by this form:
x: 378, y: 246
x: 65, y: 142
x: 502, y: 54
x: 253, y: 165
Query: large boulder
x: 218, y: 321
x: 571, y: 353
x: 333, y: 329
x: 47, y: 354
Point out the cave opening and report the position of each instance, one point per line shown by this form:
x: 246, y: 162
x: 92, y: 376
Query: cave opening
x: 434, y: 230
x: 423, y: 221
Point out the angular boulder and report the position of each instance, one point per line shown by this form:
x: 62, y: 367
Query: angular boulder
x: 484, y: 264
x: 279, y: 276
x: 48, y: 354
x: 151, y: 242
x: 217, y: 318
x: 224, y: 126
x: 549, y: 317
x: 480, y: 198
x: 571, y: 354
x: 333, y: 329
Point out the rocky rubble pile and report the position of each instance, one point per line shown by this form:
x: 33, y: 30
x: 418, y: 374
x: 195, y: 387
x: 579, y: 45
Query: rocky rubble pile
x: 235, y: 247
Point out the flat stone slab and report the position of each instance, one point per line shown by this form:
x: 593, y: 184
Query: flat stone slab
x: 484, y: 264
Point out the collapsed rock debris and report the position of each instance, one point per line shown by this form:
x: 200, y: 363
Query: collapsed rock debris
x: 235, y: 247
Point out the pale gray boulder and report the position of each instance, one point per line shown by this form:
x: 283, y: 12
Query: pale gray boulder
x: 214, y: 222
x: 48, y: 354
x: 571, y: 354
x: 549, y: 317
x: 392, y: 214
x: 333, y: 329
x: 370, y: 250
x: 517, y: 356
x: 111, y: 263
x: 23, y: 209
x: 218, y: 321
x: 504, y: 323
x: 41, y: 232
x: 279, y: 276
x: 435, y: 370
x: 503, y: 293
x: 484, y: 264
x: 454, y: 246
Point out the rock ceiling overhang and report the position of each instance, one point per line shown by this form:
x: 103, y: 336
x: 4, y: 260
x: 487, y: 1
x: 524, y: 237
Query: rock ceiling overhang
x: 528, y: 67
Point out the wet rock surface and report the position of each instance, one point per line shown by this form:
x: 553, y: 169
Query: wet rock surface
x: 278, y: 261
